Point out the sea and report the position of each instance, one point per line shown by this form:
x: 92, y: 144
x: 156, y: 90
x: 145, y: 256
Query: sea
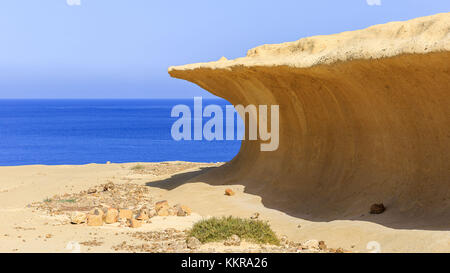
x: 83, y: 131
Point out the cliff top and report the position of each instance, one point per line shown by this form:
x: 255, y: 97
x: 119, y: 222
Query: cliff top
x: 417, y: 36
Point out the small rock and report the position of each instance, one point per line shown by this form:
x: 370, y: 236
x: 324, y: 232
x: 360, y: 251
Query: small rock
x: 96, y: 211
x: 340, y: 250
x: 94, y: 220
x: 322, y: 245
x: 161, y: 204
x: 186, y: 209
x: 77, y: 217
x: 182, y: 210
x: 109, y: 186
x: 134, y: 223
x: 125, y: 213
x: 229, y: 192
x: 172, y: 211
x: 152, y: 213
x: 234, y: 240
x: 143, y: 215
x: 123, y: 222
x: 112, y: 215
x: 377, y: 208
x: 311, y: 244
x: 193, y: 243
x: 255, y: 216
x: 91, y: 191
x: 163, y: 211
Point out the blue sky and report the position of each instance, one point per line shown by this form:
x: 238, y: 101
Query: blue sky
x: 122, y: 48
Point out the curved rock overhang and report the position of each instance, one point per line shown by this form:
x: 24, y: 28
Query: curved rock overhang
x: 364, y: 118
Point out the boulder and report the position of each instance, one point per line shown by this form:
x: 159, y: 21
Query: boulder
x: 125, y: 213
x: 182, y: 210
x: 142, y: 215
x: 161, y: 204
x: 96, y: 211
x: 134, y: 223
x: 77, y: 217
x: 163, y: 211
x: 112, y: 215
x: 94, y: 220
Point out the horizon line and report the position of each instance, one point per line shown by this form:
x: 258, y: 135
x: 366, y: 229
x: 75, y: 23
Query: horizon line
x: 169, y: 98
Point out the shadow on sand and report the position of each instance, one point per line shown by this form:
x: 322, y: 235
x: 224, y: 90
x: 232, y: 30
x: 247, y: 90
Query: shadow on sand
x: 214, y: 176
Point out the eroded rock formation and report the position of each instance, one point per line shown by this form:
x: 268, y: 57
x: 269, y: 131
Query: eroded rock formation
x: 364, y: 118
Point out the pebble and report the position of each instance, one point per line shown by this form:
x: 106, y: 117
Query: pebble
x: 234, y: 240
x: 193, y: 243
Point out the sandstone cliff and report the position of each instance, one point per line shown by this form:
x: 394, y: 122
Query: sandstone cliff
x: 364, y: 118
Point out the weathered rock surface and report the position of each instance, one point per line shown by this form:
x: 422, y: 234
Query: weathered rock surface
x: 112, y: 215
x: 134, y: 223
x: 125, y: 213
x: 364, y: 116
x: 143, y: 215
x: 94, y: 220
x: 77, y: 217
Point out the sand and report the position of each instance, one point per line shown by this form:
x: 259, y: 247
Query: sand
x: 364, y: 119
x: 24, y: 229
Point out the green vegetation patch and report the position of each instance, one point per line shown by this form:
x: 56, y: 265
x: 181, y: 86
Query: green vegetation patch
x: 218, y: 229
x: 138, y: 167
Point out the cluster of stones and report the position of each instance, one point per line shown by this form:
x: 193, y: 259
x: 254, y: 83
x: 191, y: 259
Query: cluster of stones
x: 169, y: 240
x: 128, y: 204
x: 172, y: 240
x: 126, y: 217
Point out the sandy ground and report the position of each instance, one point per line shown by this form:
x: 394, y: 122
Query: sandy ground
x: 24, y: 229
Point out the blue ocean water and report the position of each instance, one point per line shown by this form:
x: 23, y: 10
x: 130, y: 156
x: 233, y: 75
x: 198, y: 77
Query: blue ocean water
x: 55, y: 132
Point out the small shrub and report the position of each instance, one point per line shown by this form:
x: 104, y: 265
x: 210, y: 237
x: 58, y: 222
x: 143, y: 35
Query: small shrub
x: 218, y: 229
x: 67, y: 201
x: 138, y: 167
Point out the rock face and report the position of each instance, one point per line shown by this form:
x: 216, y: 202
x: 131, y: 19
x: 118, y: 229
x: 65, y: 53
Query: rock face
x: 364, y: 117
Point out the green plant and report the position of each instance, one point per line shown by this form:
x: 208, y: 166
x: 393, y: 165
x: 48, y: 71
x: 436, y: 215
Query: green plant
x: 138, y: 167
x: 67, y: 200
x: 219, y: 229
